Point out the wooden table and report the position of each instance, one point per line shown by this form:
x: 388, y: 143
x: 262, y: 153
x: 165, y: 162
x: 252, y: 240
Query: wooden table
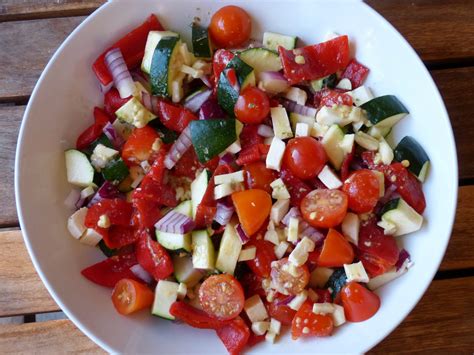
x: 441, y: 31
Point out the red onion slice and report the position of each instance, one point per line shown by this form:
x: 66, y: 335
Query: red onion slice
x: 118, y: 69
x: 150, y: 102
x: 211, y: 109
x: 207, y: 81
x: 227, y: 158
x: 273, y: 82
x: 138, y: 75
x: 402, y: 257
x: 285, y: 300
x: 244, y: 238
x: 293, y: 212
x: 224, y: 213
x: 305, y: 228
x: 299, y: 109
x: 114, y: 137
x: 179, y: 147
x: 175, y: 222
x: 107, y: 190
x: 194, y: 102
x: 141, y: 273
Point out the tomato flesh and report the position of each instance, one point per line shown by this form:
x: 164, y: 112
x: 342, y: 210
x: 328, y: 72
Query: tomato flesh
x: 138, y: 146
x: 363, y: 190
x: 253, y: 207
x: 336, y: 251
x: 359, y: 303
x: 308, y: 324
x: 252, y: 106
x: 174, y: 116
x: 287, y: 278
x: 305, y: 157
x: 257, y: 176
x: 131, y: 296
x: 230, y: 27
x: 324, y: 208
x: 222, y: 296
x: 265, y: 255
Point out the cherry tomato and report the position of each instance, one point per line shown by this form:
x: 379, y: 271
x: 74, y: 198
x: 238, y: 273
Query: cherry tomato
x: 307, y: 324
x: 287, y: 278
x: 305, y: 157
x: 230, y: 27
x: 324, y: 208
x: 234, y: 335
x: 336, y: 251
x: 363, y: 190
x: 131, y: 296
x: 252, y: 106
x: 281, y: 312
x: 222, y: 296
x: 138, y: 146
x: 359, y: 303
x: 265, y: 255
x: 257, y: 176
x: 253, y: 207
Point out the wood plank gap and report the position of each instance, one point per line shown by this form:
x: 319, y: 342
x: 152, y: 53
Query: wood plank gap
x: 454, y: 274
x: 465, y: 62
x: 45, y: 15
x: 466, y: 181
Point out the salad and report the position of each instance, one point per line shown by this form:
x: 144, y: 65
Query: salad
x: 242, y: 187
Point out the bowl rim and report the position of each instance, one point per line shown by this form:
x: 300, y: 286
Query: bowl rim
x: 83, y: 328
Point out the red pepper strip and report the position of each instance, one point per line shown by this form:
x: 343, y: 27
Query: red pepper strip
x: 132, y: 47
x: 153, y: 257
x: 195, y: 317
x: 356, y: 73
x: 113, y: 101
x: 234, y: 335
x: 173, y: 116
x: 101, y: 117
x: 108, y: 272
x: 221, y: 58
x: 316, y: 61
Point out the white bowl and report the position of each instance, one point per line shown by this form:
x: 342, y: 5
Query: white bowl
x: 61, y: 106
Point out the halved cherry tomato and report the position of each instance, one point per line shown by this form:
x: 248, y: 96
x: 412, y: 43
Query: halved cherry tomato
x: 109, y: 271
x: 265, y: 255
x: 252, y: 106
x: 359, y: 303
x: 253, y: 207
x: 153, y: 257
x: 174, y: 116
x: 131, y: 296
x: 230, y: 27
x: 336, y: 251
x: 118, y: 211
x: 138, y: 146
x: 356, y: 73
x: 305, y: 157
x: 306, y: 323
x: 234, y: 335
x: 113, y: 101
x: 363, y: 190
x: 195, y: 317
x: 222, y: 296
x: 281, y: 312
x: 287, y: 278
x: 257, y: 176
x: 324, y: 208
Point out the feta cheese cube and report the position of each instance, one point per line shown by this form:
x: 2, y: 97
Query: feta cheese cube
x: 279, y: 210
x: 320, y: 276
x: 356, y: 272
x: 329, y: 178
x: 299, y: 255
x: 260, y: 328
x: 275, y: 326
x: 270, y: 337
x: 281, y: 123
x: 302, y: 130
x: 182, y: 290
x: 224, y: 190
x: 75, y: 223
x: 231, y: 178
x: 298, y: 301
x: 347, y: 143
x: 361, y: 95
x: 271, y: 235
x: 329, y: 116
x: 281, y: 249
x: 279, y: 190
x: 255, y: 309
x: 297, y: 95
x: 275, y: 154
x: 293, y: 229
x: 344, y: 84
x: 90, y: 237
x: 338, y: 316
x: 386, y: 152
x: 350, y: 227
x: 247, y: 253
x: 234, y: 148
x: 323, y: 308
x: 104, y: 221
x: 389, y: 228
x: 102, y: 155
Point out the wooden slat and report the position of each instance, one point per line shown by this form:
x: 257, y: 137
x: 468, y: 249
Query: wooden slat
x: 439, y: 30
x: 442, y: 322
x: 51, y: 337
x: 11, y: 10
x: 26, y: 48
x: 21, y: 291
x: 437, y: 324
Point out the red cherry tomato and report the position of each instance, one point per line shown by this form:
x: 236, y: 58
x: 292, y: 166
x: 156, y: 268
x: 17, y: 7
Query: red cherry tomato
x: 222, y: 296
x: 257, y: 176
x: 324, y: 208
x: 281, y: 312
x: 336, y: 251
x: 230, y: 27
x: 363, y: 190
x: 138, y: 146
x: 305, y: 157
x: 252, y: 106
x: 131, y: 296
x: 289, y: 279
x: 316, y: 324
x: 261, y: 265
x: 359, y: 303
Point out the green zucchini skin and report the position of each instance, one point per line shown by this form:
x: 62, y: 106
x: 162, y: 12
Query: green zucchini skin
x: 409, y: 149
x: 115, y: 170
x: 160, y: 66
x: 201, y: 43
x: 383, y: 107
x: 211, y: 137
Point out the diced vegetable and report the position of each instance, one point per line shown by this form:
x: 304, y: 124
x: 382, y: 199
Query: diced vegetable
x: 273, y: 40
x: 356, y: 272
x: 403, y: 216
x: 203, y: 251
x: 275, y: 154
x: 261, y: 60
x: 384, y: 111
x: 134, y: 113
x: 409, y: 150
x: 212, y: 137
x: 229, y: 250
x: 79, y: 171
x: 255, y: 309
x: 166, y: 293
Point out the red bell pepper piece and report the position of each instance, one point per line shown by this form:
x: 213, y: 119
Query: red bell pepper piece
x: 317, y: 61
x: 132, y: 47
x: 153, y: 257
x: 297, y: 188
x: 234, y: 335
x: 346, y: 164
x: 328, y: 97
x: 220, y: 60
x: 102, y: 117
x: 195, y: 317
x: 93, y: 132
x: 108, y: 272
x: 173, y: 116
x: 119, y: 236
x: 113, y: 101
x: 356, y: 73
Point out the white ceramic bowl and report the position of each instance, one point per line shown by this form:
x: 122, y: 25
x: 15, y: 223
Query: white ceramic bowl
x: 61, y: 106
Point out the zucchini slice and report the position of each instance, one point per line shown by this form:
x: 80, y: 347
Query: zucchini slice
x: 165, y: 66
x: 173, y: 241
x: 409, y: 149
x: 201, y: 43
x: 198, y: 189
x: 115, y: 171
x: 154, y: 37
x: 211, y: 137
x: 166, y: 293
x: 229, y: 250
x: 273, y: 40
x: 185, y: 272
x: 204, y: 255
x: 332, y: 145
x: 79, y: 170
x: 245, y: 73
x: 385, y: 111
x: 261, y: 59
x: 402, y: 216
